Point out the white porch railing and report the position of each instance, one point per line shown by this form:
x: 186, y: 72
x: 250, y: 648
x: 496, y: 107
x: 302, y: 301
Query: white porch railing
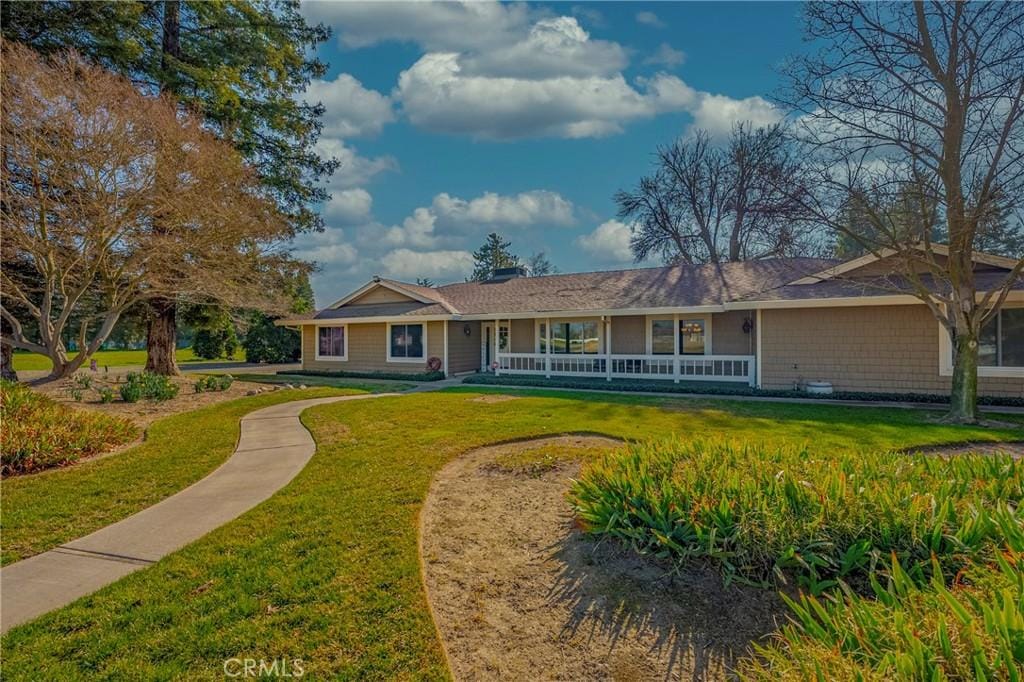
x: 738, y: 368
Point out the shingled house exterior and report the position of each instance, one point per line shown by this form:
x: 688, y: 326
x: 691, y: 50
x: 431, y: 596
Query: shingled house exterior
x: 774, y: 324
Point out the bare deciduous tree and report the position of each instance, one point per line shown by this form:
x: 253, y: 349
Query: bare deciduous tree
x: 922, y: 100
x: 89, y: 167
x: 710, y: 204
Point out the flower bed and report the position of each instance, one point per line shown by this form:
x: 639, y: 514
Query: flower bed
x: 39, y: 433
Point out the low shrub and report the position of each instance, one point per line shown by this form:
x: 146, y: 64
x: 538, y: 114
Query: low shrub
x: 107, y: 394
x: 771, y: 514
x: 213, y: 383
x: 973, y: 630
x: 667, y: 386
x: 149, y: 386
x: 39, y: 433
x: 398, y: 376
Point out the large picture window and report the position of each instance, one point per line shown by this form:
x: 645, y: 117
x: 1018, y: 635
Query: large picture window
x: 330, y: 343
x: 571, y: 337
x: 1002, y: 340
x: 407, y: 342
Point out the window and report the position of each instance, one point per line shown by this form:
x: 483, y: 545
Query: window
x: 1002, y: 340
x: 662, y: 340
x: 407, y: 342
x: 330, y: 343
x: 542, y: 330
x: 1000, y: 346
x: 502, y: 338
x: 580, y: 338
x: 691, y: 337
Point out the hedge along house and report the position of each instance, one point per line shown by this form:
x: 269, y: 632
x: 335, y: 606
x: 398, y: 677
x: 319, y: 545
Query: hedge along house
x: 776, y: 324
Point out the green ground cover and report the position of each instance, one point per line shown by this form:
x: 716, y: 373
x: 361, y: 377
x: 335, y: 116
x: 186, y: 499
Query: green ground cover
x: 44, y: 510
x: 820, y: 518
x: 327, y: 570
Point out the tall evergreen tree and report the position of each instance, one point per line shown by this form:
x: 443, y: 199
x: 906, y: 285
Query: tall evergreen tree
x: 495, y: 253
x: 241, y: 65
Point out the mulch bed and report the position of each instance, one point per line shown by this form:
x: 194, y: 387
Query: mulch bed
x: 519, y: 592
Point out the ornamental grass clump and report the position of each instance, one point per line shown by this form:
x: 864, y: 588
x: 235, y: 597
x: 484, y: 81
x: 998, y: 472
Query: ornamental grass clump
x: 774, y: 514
x: 971, y: 630
x: 38, y: 433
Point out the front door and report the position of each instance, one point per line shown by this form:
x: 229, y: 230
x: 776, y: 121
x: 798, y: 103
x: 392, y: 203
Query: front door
x: 486, y: 346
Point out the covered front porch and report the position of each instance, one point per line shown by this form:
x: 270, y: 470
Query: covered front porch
x: 671, y: 347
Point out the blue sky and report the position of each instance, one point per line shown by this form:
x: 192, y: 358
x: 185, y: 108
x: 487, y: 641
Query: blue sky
x: 454, y: 120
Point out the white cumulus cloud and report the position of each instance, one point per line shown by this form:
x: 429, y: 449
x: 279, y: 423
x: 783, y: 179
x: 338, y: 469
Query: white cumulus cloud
x: 329, y: 249
x: 354, y: 170
x: 416, y: 230
x: 434, y: 25
x: 526, y: 208
x: 438, y: 96
x: 608, y: 243
x: 509, y: 71
x: 350, y: 110
x: 553, y: 47
x: 349, y: 206
x: 408, y: 264
x: 718, y: 113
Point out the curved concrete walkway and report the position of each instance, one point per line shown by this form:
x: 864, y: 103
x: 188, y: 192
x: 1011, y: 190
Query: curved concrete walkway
x: 273, y: 447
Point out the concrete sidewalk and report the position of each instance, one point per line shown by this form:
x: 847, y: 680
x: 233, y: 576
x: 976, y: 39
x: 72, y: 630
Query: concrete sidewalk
x: 272, y: 449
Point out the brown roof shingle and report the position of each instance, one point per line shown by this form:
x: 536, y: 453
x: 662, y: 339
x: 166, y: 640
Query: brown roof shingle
x: 663, y: 287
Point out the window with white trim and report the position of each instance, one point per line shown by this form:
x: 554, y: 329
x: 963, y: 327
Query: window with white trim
x: 662, y: 341
x: 691, y: 337
x: 330, y: 343
x: 580, y: 338
x: 1001, y: 343
x: 407, y: 342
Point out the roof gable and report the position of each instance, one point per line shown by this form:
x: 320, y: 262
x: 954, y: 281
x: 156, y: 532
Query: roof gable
x: 867, y: 264
x: 384, y: 291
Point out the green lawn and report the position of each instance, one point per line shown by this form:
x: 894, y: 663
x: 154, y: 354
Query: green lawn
x: 44, y: 510
x: 327, y: 570
x: 110, y: 358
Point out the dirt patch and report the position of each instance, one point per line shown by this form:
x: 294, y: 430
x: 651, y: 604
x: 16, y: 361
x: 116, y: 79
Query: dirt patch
x: 1014, y: 448
x: 488, y: 399
x: 144, y: 412
x: 518, y: 592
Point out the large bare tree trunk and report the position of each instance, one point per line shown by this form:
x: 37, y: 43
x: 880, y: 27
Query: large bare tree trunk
x: 161, y: 338
x: 7, y: 362
x: 162, y: 334
x: 963, y: 399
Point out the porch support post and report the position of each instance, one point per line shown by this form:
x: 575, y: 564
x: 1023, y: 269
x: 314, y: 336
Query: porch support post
x: 547, y: 348
x: 497, y: 347
x: 757, y: 352
x: 675, y: 348
x: 608, y: 349
x: 445, y: 323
